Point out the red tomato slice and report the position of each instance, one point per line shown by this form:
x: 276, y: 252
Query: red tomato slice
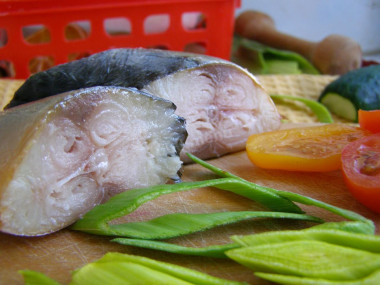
x: 370, y: 120
x: 361, y: 170
x: 302, y: 149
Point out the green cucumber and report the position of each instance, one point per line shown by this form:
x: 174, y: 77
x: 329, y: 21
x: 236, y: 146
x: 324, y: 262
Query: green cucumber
x: 354, y: 90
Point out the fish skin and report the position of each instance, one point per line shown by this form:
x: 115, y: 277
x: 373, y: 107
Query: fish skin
x: 26, y: 151
x: 115, y: 67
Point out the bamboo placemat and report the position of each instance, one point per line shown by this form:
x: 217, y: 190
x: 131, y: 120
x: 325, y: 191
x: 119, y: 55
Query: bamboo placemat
x: 7, y: 89
x: 306, y: 86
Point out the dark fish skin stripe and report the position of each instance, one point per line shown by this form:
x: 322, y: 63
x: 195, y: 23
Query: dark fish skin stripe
x: 115, y: 67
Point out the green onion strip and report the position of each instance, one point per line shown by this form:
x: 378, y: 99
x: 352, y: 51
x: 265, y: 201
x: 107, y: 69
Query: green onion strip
x: 97, y: 220
x: 322, y: 113
x: 145, y: 234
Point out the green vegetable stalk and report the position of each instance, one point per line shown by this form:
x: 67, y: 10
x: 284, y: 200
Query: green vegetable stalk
x: 372, y: 279
x: 308, y: 258
x: 330, y: 253
x: 36, y: 278
x: 345, y: 252
x: 368, y: 224
x: 216, y: 251
x: 367, y: 242
x: 317, y: 108
x: 123, y: 269
x: 97, y: 220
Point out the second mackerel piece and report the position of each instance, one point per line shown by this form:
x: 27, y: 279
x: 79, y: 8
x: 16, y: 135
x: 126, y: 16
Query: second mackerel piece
x: 222, y: 103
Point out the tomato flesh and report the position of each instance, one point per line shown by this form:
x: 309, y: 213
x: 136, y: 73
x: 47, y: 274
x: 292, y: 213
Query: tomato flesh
x: 302, y: 149
x: 361, y: 170
x: 370, y: 120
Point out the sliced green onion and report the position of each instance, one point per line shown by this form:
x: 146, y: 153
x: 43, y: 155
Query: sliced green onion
x: 123, y: 269
x: 293, y: 196
x: 209, y: 251
x: 97, y: 220
x: 336, y: 210
x: 32, y: 277
x: 349, y: 226
x: 117, y: 268
x: 365, y: 242
x: 371, y: 279
x: 308, y: 258
x: 172, y: 225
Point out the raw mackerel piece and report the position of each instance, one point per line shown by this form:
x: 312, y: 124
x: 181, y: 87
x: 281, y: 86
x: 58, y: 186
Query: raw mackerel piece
x: 222, y: 103
x: 62, y: 155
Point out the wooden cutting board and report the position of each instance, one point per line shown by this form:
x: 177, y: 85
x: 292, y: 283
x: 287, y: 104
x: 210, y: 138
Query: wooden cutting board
x: 58, y: 254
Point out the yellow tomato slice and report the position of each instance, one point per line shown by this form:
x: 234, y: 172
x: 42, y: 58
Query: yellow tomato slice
x: 315, y: 148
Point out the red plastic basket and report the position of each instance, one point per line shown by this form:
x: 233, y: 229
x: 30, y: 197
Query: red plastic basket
x: 178, y: 25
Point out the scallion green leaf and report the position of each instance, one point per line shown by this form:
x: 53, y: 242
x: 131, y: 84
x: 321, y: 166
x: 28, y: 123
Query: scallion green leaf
x: 209, y: 251
x: 371, y: 279
x: 117, y: 268
x: 32, y: 277
x: 294, y: 197
x: 97, y: 220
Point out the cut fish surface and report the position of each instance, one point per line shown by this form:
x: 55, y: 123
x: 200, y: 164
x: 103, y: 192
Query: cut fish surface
x: 61, y: 156
x: 222, y: 108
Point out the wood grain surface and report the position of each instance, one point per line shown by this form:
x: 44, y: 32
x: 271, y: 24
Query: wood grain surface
x: 58, y: 254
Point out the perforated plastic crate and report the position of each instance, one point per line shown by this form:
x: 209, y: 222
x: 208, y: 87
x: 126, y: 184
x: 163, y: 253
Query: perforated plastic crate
x: 35, y: 35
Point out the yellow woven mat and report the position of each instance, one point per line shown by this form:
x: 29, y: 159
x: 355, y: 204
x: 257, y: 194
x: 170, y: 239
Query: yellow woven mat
x: 307, y: 86
x: 7, y: 89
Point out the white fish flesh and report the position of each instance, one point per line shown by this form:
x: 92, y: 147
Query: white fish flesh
x: 61, y: 156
